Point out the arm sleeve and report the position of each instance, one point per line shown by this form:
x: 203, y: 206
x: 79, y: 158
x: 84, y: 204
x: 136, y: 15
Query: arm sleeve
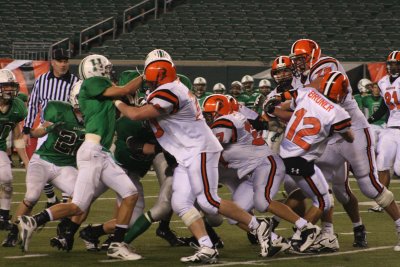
x: 225, y: 131
x: 379, y: 113
x: 95, y: 86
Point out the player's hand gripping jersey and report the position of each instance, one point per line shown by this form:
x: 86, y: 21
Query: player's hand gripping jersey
x: 176, y: 134
x: 10, y: 119
x: 61, y: 145
x: 314, y: 119
x: 325, y: 65
x: 246, y: 149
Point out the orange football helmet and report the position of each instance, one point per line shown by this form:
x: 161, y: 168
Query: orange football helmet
x: 214, y: 106
x: 334, y: 86
x: 234, y: 103
x: 158, y: 73
x: 393, y: 63
x: 304, y: 54
x: 282, y: 71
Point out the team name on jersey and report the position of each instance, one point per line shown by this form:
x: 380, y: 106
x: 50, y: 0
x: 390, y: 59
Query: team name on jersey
x: 390, y: 87
x: 320, y: 101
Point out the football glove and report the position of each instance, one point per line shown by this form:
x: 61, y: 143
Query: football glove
x: 270, y: 105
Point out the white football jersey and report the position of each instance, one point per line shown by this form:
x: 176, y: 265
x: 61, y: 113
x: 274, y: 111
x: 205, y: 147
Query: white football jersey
x: 248, y: 113
x: 314, y: 119
x: 327, y: 64
x: 391, y: 95
x: 181, y: 130
x: 244, y: 147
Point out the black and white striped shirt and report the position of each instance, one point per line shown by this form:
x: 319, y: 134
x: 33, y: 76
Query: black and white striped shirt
x: 47, y: 87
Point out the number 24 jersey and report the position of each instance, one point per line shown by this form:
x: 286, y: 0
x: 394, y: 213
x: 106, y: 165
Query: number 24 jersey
x: 314, y: 119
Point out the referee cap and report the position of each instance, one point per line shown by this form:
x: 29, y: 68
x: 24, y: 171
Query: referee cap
x: 60, y: 54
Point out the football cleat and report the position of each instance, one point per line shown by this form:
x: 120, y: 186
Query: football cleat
x: 121, y: 250
x: 263, y: 233
x: 27, y: 225
x: 62, y: 242
x: 106, y: 244
x: 171, y: 237
x: 308, y: 234
x: 360, y: 237
x: 252, y: 237
x: 325, y: 242
x: 11, y: 240
x: 203, y: 255
x: 397, y: 247
x: 278, y: 245
x: 377, y: 208
x: 5, y: 223
x: 91, y: 241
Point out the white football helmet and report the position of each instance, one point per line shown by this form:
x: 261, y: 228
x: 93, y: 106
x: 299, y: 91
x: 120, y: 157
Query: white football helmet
x: 364, y: 86
x: 199, y: 81
x: 73, y: 97
x: 157, y: 55
x: 9, y: 86
x: 95, y: 66
x: 199, y: 86
x: 219, y: 88
x: 247, y: 79
x: 264, y: 83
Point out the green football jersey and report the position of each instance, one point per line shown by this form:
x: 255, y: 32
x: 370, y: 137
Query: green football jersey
x: 202, y: 98
x: 23, y: 97
x: 10, y: 119
x: 371, y: 104
x: 242, y: 99
x: 99, y: 112
x: 186, y: 81
x: 129, y: 75
x: 359, y: 100
x: 125, y: 128
x: 252, y: 99
x: 61, y: 145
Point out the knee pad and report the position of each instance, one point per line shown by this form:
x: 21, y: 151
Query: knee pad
x: 161, y: 210
x: 214, y: 220
x: 290, y: 185
x: 191, y: 216
x: 341, y: 194
x: 6, y: 190
x: 323, y: 204
x: 206, y: 206
x: 367, y: 188
x: 261, y: 204
x: 385, y: 198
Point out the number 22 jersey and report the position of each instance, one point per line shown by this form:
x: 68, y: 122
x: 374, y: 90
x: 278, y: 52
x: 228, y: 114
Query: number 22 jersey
x: 314, y: 119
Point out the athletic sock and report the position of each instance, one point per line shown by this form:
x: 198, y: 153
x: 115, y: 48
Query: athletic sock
x: 139, y: 227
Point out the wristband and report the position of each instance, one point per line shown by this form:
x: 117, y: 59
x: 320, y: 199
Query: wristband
x: 117, y: 103
x: 26, y: 130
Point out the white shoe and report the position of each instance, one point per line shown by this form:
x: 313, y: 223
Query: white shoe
x: 377, y: 208
x: 27, y: 225
x: 325, y: 242
x: 397, y: 247
x: 308, y: 235
x: 263, y: 233
x: 203, y: 255
x: 121, y: 250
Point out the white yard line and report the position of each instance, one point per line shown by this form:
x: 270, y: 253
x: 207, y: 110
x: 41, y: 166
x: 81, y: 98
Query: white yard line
x: 258, y: 262
x: 27, y: 256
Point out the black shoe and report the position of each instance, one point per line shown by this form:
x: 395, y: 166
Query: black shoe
x: 107, y: 243
x: 360, y: 237
x: 65, y: 242
x: 50, y: 204
x: 252, y: 238
x: 11, y: 240
x: 5, y: 223
x: 170, y: 237
x: 91, y: 241
x: 62, y: 226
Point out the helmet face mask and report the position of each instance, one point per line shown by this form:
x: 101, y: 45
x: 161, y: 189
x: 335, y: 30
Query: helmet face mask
x: 247, y: 83
x: 95, y: 66
x: 393, y: 64
x: 74, y: 95
x: 364, y: 86
x: 236, y: 88
x: 199, y: 86
x: 282, y: 72
x: 9, y: 87
x: 215, y: 106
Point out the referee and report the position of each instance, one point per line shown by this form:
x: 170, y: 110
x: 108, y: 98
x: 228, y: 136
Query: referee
x: 53, y: 85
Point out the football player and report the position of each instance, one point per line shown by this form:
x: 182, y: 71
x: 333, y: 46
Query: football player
x: 248, y: 88
x: 246, y: 151
x: 200, y: 89
x: 309, y: 65
x: 265, y: 88
x: 54, y: 162
x: 300, y: 148
x: 364, y: 88
x: 12, y: 111
x: 219, y: 88
x: 179, y: 126
x: 236, y: 92
x: 388, y: 145
x: 97, y: 169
